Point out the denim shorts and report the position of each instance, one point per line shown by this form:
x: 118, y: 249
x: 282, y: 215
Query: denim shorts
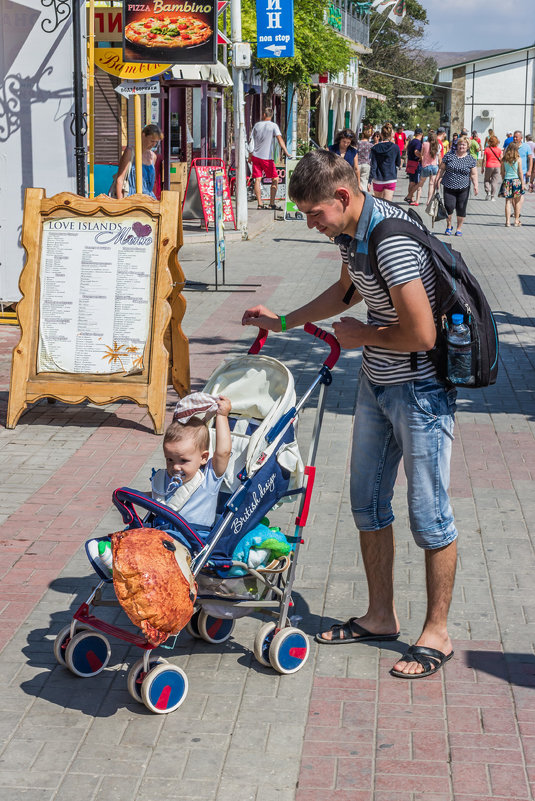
x: 427, y: 172
x: 413, y: 420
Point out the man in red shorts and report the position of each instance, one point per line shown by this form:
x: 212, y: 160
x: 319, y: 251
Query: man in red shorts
x: 260, y: 156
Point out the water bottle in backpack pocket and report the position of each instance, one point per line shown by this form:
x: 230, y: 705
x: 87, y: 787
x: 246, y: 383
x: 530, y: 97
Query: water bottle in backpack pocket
x: 461, y: 353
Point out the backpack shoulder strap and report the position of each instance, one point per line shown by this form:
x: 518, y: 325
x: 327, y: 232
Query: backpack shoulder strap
x: 394, y: 226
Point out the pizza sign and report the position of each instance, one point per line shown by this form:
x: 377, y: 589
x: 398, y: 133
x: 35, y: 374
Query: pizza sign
x: 183, y: 32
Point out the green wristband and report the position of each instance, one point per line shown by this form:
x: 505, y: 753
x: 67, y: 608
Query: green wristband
x: 282, y: 318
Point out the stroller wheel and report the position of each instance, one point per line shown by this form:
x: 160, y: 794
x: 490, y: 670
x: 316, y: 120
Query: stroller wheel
x: 192, y: 626
x: 87, y: 653
x: 289, y: 650
x: 62, y: 640
x: 136, y: 676
x: 262, y: 643
x: 214, y: 629
x: 164, y: 688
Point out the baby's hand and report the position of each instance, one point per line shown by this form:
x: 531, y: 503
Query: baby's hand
x: 223, y: 406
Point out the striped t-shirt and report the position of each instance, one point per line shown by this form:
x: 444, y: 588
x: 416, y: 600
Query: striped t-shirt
x: 400, y: 260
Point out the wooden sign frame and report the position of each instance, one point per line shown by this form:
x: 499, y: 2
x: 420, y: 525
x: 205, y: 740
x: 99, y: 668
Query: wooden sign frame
x: 148, y: 387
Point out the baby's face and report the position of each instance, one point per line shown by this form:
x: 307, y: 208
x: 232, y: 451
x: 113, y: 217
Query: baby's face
x: 184, y: 458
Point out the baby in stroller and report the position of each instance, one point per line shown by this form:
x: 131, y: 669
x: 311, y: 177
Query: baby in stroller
x: 191, y: 479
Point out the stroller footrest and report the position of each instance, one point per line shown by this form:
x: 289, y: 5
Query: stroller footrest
x: 108, y: 628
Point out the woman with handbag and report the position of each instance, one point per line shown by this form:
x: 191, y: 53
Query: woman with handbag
x: 491, y: 168
x: 125, y: 180
x: 457, y: 169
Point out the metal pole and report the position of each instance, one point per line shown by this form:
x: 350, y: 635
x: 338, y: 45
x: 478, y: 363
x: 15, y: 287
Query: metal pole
x: 138, y: 148
x: 91, y: 97
x: 79, y: 123
x: 239, y: 123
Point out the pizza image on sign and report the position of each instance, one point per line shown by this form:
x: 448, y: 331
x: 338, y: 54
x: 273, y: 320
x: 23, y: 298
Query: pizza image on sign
x: 157, y: 31
x: 167, y: 33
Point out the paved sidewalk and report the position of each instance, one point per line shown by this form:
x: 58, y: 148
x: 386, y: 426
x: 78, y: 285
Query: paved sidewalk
x: 341, y: 728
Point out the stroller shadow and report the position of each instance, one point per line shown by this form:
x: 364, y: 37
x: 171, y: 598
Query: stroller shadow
x: 106, y: 693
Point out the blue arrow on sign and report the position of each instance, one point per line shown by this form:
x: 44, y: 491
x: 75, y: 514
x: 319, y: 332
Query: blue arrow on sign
x: 274, y: 28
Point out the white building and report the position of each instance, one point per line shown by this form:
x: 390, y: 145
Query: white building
x: 489, y: 89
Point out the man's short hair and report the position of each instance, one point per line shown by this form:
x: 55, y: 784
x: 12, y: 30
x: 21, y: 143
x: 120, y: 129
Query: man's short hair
x: 318, y: 175
x: 268, y: 111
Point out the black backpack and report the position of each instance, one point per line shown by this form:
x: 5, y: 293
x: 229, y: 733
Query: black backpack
x: 456, y: 292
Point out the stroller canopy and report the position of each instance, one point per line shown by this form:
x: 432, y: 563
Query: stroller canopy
x: 261, y: 390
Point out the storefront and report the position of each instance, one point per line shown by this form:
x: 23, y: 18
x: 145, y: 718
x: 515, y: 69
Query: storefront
x: 190, y: 108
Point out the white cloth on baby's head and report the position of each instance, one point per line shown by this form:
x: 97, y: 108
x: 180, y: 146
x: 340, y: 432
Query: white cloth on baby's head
x: 198, y: 404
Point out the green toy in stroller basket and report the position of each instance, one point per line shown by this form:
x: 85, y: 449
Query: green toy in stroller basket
x: 242, y: 565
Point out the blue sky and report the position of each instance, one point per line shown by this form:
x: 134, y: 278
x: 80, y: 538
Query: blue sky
x: 459, y: 25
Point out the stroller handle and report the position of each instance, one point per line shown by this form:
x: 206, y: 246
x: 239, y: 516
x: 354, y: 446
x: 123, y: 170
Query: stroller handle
x: 259, y: 342
x: 331, y: 341
x: 310, y: 328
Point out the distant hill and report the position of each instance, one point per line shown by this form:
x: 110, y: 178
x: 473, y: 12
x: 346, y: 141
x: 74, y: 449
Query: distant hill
x: 446, y: 59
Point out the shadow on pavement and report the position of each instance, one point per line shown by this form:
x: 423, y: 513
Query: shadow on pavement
x: 515, y: 668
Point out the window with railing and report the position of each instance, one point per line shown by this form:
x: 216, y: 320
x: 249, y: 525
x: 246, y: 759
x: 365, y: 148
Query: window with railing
x: 350, y: 18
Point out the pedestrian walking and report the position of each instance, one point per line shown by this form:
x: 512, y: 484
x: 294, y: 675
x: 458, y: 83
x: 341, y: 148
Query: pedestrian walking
x: 454, y: 140
x: 385, y: 159
x: 125, y: 180
x: 513, y: 183
x: 457, y: 169
x: 443, y: 142
x: 525, y: 153
x: 364, y: 147
x: 263, y: 135
x: 531, y: 179
x: 402, y: 410
x: 430, y: 161
x: 491, y: 168
x: 507, y: 141
x: 344, y: 145
x: 376, y: 137
x: 475, y: 146
x: 400, y: 138
x: 414, y: 167
x: 487, y: 138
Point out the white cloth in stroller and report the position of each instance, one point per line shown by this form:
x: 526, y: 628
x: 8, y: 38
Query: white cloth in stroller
x: 261, y: 390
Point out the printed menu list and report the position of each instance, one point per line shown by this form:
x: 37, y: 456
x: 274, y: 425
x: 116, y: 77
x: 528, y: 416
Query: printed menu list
x: 95, y: 294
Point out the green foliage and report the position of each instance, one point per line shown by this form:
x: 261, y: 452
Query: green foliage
x: 317, y: 47
x: 396, y: 50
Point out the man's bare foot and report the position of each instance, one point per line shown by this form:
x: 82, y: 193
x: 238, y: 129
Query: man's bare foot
x: 361, y: 628
x: 427, y: 640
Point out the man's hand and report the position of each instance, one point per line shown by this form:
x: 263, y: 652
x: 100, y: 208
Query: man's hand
x: 263, y: 318
x: 351, y: 333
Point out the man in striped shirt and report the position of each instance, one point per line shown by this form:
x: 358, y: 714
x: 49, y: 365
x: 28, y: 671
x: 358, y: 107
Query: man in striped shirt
x: 402, y: 409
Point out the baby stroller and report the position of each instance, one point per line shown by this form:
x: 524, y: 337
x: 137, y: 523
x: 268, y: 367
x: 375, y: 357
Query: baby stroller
x: 266, y: 469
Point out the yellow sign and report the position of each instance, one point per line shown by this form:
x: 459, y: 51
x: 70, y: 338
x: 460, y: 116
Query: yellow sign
x: 110, y: 60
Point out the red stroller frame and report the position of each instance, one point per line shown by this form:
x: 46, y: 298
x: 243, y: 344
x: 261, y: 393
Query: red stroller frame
x: 83, y: 647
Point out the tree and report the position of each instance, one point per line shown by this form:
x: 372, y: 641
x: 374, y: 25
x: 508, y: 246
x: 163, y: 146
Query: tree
x: 396, y: 50
x: 317, y: 47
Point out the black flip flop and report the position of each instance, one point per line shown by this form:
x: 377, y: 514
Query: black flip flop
x: 429, y: 658
x: 274, y: 207
x: 349, y: 629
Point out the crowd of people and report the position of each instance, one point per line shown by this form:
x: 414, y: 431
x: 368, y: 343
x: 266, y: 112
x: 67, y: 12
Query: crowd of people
x: 507, y: 171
